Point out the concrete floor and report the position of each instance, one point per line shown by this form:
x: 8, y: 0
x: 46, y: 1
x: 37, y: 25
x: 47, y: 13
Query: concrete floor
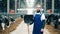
x: 22, y: 29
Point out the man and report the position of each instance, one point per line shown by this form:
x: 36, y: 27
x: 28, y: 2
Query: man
x: 39, y: 21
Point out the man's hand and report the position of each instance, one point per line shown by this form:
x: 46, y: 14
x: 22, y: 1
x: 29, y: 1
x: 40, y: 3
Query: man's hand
x: 42, y: 30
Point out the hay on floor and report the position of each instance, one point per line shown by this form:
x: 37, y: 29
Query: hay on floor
x: 51, y: 29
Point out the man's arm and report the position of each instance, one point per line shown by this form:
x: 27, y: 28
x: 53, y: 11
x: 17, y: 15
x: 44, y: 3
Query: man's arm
x: 43, y: 20
x: 43, y: 24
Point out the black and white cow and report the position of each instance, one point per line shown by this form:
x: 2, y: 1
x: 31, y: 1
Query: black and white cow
x: 1, y: 21
x: 5, y: 21
x: 58, y: 22
x: 55, y: 19
x: 12, y: 19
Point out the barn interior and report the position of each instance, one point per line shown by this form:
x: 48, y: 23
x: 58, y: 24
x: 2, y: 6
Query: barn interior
x: 17, y: 11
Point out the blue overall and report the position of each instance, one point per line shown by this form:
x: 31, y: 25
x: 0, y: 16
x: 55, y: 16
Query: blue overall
x: 37, y: 24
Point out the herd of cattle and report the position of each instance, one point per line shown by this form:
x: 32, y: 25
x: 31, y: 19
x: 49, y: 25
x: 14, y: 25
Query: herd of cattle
x: 5, y: 21
x: 53, y: 18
